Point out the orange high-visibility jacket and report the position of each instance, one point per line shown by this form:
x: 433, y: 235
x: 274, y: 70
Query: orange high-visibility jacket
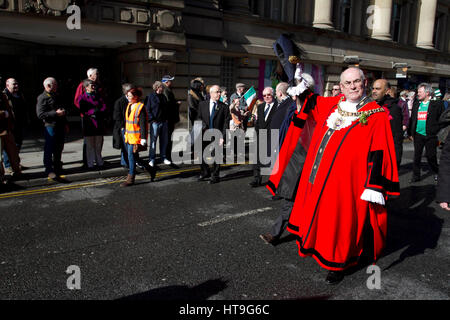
x: 132, y: 124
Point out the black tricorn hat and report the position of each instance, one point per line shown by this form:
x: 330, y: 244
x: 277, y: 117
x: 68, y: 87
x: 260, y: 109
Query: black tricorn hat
x: 289, y: 55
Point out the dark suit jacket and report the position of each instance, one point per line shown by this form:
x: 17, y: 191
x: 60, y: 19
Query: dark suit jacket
x: 119, y: 120
x: 261, y: 123
x: 435, y: 110
x: 221, y: 119
x: 281, y: 113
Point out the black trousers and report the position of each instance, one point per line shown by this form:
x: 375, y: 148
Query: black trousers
x: 281, y: 222
x: 204, y: 167
x: 430, y: 145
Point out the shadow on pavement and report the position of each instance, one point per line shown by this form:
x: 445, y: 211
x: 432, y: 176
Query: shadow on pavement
x: 200, y: 292
x: 412, y: 223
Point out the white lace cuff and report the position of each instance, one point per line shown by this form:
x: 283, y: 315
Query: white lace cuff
x: 373, y: 196
x: 298, y: 89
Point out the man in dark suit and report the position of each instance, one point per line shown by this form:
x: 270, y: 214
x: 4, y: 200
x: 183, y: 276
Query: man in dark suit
x: 423, y: 128
x: 380, y: 94
x: 264, y: 116
x: 213, y: 114
x: 284, y: 103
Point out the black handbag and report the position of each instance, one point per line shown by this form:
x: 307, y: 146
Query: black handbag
x: 138, y: 148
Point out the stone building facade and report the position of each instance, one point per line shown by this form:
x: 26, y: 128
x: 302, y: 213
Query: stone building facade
x: 222, y: 41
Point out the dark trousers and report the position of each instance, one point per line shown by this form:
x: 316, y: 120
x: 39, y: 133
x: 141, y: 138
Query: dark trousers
x: 399, y: 153
x: 205, y: 169
x: 281, y: 222
x: 171, y: 129
x: 18, y: 138
x: 430, y: 145
x: 123, y: 149
x: 8, y: 146
x: 54, y: 145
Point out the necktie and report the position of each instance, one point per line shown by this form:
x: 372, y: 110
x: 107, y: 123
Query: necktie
x: 266, y: 110
x: 211, y: 116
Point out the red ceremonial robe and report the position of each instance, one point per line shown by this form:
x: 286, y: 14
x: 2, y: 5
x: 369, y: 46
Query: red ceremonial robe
x: 329, y: 216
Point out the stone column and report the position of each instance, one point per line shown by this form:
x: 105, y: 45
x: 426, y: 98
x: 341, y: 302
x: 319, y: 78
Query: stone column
x: 322, y: 14
x: 426, y: 24
x: 382, y: 20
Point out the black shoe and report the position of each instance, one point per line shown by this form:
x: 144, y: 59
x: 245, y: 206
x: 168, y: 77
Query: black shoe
x: 334, y: 277
x: 255, y: 183
x: 414, y: 179
x: 203, y: 177
x: 276, y: 197
x: 214, y: 180
x: 268, y: 238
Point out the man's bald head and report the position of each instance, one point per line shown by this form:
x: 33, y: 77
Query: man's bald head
x: 353, y: 84
x: 379, y: 89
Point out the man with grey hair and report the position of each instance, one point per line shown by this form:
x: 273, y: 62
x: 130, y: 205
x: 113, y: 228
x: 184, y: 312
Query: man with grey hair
x: 239, y: 94
x: 264, y: 115
x: 285, y: 105
x: 53, y: 115
x: 339, y: 213
x: 92, y: 74
x: 423, y: 128
x: 213, y: 114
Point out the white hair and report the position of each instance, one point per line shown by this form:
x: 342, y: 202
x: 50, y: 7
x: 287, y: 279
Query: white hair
x: 310, y: 80
x: 213, y: 87
x: 49, y: 82
x: 91, y: 71
x: 269, y: 89
x: 427, y: 87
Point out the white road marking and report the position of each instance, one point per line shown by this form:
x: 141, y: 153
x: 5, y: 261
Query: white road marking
x: 234, y: 216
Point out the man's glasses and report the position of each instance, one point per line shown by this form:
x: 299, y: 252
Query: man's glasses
x: 348, y: 84
x: 267, y: 95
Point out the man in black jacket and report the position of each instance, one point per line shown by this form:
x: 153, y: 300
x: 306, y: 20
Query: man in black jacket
x: 380, y: 90
x: 284, y: 102
x: 120, y: 107
x: 264, y: 116
x: 423, y: 128
x: 173, y: 112
x: 52, y: 113
x: 213, y: 114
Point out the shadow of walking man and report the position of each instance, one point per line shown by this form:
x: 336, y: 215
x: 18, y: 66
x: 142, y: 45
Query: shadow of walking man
x: 412, y: 223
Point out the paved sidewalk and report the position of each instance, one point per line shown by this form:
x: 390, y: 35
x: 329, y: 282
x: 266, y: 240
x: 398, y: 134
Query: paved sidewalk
x: 32, y: 152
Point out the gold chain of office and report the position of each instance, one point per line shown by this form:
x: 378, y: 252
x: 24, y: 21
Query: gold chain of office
x: 362, y: 115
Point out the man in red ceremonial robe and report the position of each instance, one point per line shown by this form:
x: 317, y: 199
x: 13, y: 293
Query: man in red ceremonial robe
x: 349, y: 172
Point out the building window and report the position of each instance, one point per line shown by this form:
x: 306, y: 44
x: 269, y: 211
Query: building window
x: 343, y: 14
x: 269, y: 9
x: 395, y: 21
x: 227, y: 66
x: 440, y: 31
